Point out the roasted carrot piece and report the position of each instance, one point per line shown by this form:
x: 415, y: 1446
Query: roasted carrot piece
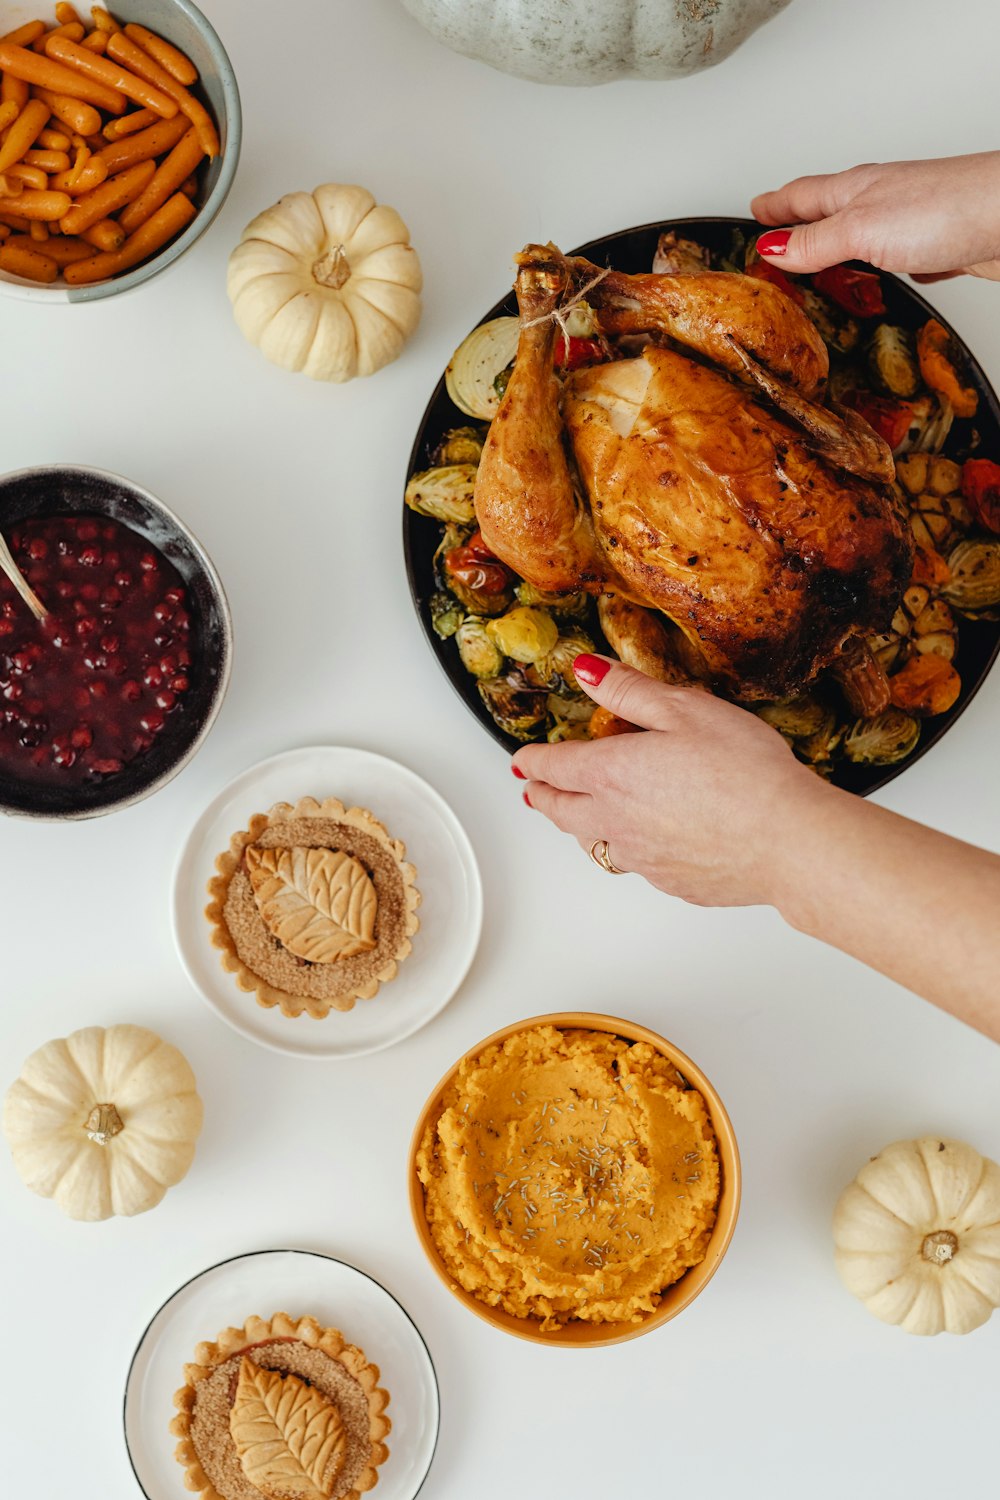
x: 32, y: 265
x: 96, y: 41
x: 190, y: 185
x: 14, y: 221
x: 110, y: 75
x: 104, y: 20
x: 92, y: 172
x: 124, y: 50
x: 165, y: 182
x: 58, y: 247
x: 157, y: 231
x: 49, y: 161
x: 74, y: 31
x: 31, y: 177
x: 158, y: 138
x: 38, y: 232
x: 106, y: 234
x: 65, y: 13
x: 31, y: 204
x: 9, y: 111
x: 106, y: 199
x: 45, y: 73
x: 26, y: 34
x: 136, y: 119
x: 169, y: 57
x: 24, y: 132
x: 53, y: 140
x: 78, y: 117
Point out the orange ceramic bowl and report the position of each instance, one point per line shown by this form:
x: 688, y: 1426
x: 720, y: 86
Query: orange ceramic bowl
x: 678, y: 1296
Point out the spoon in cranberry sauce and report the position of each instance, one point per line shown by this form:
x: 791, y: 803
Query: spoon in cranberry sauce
x: 19, y: 581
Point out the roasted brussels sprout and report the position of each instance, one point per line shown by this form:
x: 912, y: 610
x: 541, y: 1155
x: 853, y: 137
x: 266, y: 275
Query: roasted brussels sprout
x: 975, y: 576
x: 525, y: 633
x: 461, y: 445
x: 679, y: 257
x: 893, y: 361
x: 444, y: 493
x: 519, y: 710
x: 570, y: 717
x: 836, y: 328
x: 469, y: 569
x: 446, y: 614
x: 478, y: 653
x: 882, y: 741
x: 563, y: 606
x: 556, y: 666
x: 798, y: 717
x: 471, y: 376
x: 819, y: 749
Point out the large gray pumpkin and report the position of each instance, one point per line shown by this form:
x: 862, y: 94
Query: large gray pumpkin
x: 593, y: 41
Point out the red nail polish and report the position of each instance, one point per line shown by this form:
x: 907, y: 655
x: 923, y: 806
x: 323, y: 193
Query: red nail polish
x: 527, y: 800
x: 775, y: 242
x: 591, y: 669
x: 519, y: 773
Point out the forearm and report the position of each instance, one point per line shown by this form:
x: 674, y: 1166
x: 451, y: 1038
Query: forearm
x: 920, y: 907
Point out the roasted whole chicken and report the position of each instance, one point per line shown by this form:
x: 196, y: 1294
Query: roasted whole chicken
x: 736, y: 528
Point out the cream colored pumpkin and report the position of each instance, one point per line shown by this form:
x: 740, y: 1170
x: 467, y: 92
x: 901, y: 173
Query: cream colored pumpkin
x: 103, y: 1121
x: 917, y: 1236
x: 327, y: 283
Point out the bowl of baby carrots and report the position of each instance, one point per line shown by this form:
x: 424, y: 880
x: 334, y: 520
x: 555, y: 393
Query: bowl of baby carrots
x: 119, y: 139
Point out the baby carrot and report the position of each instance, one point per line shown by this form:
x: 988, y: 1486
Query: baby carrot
x: 32, y: 177
x: 124, y: 50
x: 38, y: 232
x: 49, y: 161
x: 46, y: 74
x: 106, y: 199
x: 96, y: 41
x: 47, y: 205
x: 168, y: 56
x: 136, y: 119
x: 106, y: 234
x: 13, y: 221
x: 9, y: 111
x: 77, y: 116
x: 162, y: 226
x: 32, y: 265
x: 9, y: 186
x: 190, y: 185
x: 65, y: 13
x: 54, y: 140
x: 26, y: 34
x: 110, y: 75
x: 165, y: 182
x: 104, y: 20
x: 13, y: 91
x: 162, y: 136
x: 4, y: 232
x: 58, y: 247
x: 92, y: 172
x: 24, y: 132
x: 74, y: 31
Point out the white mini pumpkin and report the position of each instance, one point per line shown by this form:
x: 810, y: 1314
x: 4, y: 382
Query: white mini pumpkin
x: 593, y: 41
x: 103, y: 1121
x: 917, y: 1236
x: 327, y: 283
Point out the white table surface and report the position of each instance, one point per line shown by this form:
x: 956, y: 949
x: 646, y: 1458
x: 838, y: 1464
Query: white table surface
x: 775, y: 1382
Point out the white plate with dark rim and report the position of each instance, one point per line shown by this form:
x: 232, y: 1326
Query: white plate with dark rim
x: 298, y: 1282
x: 451, y: 909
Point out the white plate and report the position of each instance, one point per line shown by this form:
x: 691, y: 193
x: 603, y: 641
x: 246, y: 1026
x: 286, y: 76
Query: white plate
x: 451, y: 911
x: 298, y: 1282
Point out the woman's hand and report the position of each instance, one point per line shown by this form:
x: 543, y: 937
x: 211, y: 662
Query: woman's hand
x: 698, y: 805
x: 932, y: 219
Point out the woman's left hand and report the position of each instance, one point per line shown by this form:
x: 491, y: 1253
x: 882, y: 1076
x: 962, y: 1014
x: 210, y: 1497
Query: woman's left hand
x: 702, y: 805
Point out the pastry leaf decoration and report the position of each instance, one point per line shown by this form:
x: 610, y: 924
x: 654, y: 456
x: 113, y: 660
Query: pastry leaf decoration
x: 320, y: 904
x: 289, y: 1438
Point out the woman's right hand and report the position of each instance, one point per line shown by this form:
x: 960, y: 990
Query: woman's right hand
x: 933, y: 219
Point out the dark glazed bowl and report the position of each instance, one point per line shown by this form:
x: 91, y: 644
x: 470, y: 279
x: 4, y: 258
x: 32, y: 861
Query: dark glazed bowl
x: 64, y: 489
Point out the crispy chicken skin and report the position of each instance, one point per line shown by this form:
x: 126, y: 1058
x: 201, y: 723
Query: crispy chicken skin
x: 740, y: 522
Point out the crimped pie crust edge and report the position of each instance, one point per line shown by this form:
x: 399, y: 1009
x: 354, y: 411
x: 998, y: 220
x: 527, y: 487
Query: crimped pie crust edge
x: 329, y: 1341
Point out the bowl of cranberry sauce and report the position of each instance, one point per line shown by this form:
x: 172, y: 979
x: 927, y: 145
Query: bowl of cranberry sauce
x: 104, y: 700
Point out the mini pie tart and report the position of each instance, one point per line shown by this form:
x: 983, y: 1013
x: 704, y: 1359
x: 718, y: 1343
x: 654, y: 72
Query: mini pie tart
x: 280, y: 1410
x: 313, y: 906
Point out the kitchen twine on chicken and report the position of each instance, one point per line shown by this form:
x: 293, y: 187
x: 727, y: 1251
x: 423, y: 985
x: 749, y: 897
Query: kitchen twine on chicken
x: 558, y: 314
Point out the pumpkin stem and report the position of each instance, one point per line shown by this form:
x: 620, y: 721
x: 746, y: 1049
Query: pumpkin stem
x: 103, y: 1123
x: 333, y: 268
x: 940, y: 1247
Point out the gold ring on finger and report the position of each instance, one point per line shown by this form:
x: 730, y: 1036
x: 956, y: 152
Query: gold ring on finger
x: 600, y: 855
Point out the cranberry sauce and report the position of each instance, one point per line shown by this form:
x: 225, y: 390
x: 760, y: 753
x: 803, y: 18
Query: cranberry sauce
x: 89, y: 688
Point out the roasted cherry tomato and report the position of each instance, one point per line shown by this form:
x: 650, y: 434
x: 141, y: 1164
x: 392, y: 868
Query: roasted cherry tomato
x: 890, y: 418
x: 580, y: 352
x: 857, y: 292
x: 766, y: 272
x: 476, y: 567
x: 981, y: 491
